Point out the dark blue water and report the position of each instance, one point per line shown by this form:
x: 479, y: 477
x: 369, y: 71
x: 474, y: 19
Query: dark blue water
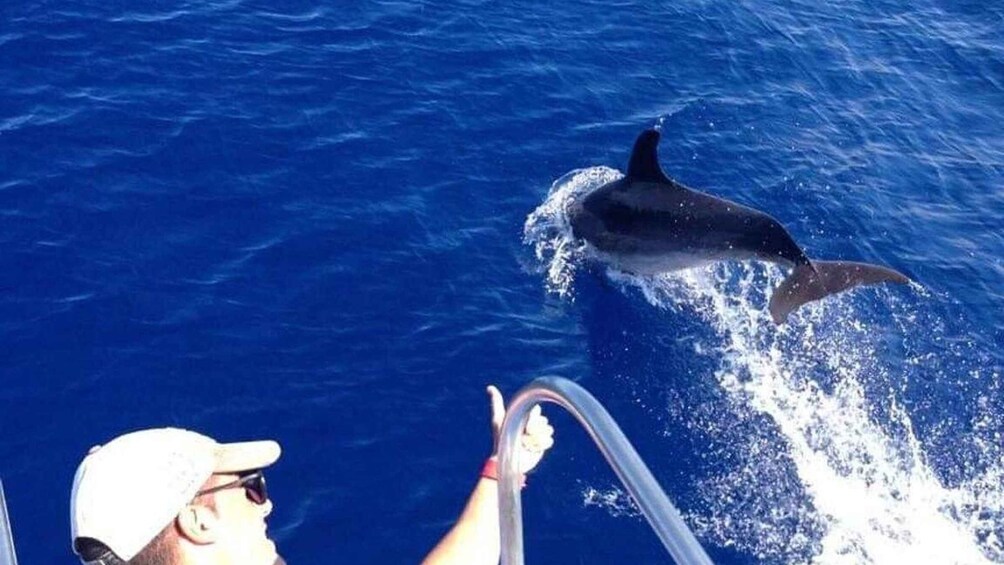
x: 316, y: 222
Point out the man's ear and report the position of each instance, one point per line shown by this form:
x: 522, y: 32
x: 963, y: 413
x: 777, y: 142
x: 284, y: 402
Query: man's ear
x: 198, y: 524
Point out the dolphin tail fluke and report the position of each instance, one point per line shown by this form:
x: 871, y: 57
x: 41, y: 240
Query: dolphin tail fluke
x: 822, y: 278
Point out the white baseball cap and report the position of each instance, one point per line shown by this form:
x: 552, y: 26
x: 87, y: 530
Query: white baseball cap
x: 127, y: 490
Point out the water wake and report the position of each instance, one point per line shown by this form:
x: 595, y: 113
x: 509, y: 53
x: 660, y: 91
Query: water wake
x: 824, y: 462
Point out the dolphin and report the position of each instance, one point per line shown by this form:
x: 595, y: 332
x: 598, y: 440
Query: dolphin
x: 647, y: 223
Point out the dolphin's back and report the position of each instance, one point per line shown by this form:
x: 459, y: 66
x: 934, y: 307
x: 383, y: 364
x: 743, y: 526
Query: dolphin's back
x: 648, y: 223
x: 630, y: 216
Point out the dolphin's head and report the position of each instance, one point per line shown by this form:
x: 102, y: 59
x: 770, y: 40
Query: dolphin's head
x: 586, y: 213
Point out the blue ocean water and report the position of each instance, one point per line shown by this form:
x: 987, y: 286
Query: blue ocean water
x: 334, y: 223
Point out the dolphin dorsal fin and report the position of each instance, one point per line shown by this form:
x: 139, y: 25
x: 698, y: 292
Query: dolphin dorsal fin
x: 644, y: 165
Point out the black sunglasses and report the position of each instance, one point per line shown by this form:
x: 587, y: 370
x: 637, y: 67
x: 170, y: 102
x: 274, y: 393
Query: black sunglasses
x: 253, y: 483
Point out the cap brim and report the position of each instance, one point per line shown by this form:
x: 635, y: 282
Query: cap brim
x: 245, y: 456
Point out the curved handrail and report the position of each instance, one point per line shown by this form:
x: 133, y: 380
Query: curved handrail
x: 7, y: 555
x: 664, y: 518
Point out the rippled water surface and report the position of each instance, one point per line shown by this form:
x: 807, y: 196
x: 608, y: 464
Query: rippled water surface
x: 333, y: 224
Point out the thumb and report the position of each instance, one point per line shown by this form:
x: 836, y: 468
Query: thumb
x: 498, y: 414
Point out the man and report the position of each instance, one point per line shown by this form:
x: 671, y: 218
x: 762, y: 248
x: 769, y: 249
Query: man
x: 169, y: 496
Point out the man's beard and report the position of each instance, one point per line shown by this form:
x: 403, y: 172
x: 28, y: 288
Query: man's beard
x: 279, y: 560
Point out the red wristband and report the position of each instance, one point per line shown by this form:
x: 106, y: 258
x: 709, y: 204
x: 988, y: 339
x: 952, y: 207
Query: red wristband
x: 491, y: 471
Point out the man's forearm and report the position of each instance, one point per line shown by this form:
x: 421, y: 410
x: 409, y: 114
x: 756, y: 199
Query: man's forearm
x: 474, y: 539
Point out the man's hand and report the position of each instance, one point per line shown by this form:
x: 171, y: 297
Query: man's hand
x: 537, y: 437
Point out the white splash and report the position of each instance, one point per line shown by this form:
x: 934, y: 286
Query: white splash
x: 827, y: 473
x: 549, y: 231
x: 869, y: 485
x: 614, y: 500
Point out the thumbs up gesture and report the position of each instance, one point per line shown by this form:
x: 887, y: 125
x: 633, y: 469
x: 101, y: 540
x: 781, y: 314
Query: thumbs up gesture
x: 537, y: 436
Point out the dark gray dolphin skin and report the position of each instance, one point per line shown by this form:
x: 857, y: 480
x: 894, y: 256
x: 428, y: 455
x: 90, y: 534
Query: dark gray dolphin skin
x: 646, y: 223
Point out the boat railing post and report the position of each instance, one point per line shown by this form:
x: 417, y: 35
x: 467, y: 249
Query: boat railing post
x: 661, y: 514
x: 7, y: 555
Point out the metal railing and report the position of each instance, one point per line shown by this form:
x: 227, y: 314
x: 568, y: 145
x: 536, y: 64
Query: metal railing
x: 664, y: 518
x: 7, y: 555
